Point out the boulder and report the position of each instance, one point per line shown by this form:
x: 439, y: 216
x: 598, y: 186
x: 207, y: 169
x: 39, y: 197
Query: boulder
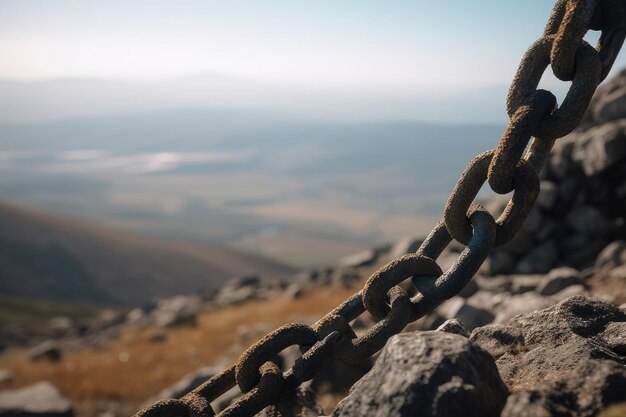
x: 565, y: 360
x: 427, y: 374
x: 38, y: 400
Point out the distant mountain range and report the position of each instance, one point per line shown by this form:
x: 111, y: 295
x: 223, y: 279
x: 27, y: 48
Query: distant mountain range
x: 57, y: 99
x: 53, y: 258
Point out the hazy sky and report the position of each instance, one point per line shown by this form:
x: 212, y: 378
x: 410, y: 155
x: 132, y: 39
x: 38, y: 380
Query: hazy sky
x: 384, y: 44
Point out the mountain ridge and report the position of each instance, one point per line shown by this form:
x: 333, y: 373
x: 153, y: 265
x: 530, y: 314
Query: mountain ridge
x: 49, y: 257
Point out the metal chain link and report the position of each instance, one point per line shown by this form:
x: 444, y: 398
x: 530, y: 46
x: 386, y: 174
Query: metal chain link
x: 535, y: 123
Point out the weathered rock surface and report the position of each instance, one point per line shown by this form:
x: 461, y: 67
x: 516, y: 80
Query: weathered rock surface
x: 39, y: 400
x: 444, y: 375
x: 567, y: 360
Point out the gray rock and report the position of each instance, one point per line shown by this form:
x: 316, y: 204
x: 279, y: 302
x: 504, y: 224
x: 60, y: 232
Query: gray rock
x: 603, y: 384
x: 546, y: 230
x: 61, y: 326
x: 427, y: 374
x: 404, y: 246
x: 47, y: 350
x: 108, y: 318
x: 589, y: 220
x: 609, y: 102
x: 345, y: 277
x: 520, y: 245
x: 470, y: 289
x: 471, y: 316
x: 454, y: 326
x: 557, y: 280
x: 38, y: 400
x: 547, y: 195
x: 177, y: 310
x: 520, y: 304
x: 500, y: 262
x: 295, y: 290
x: 570, y: 292
x: 603, y: 148
x: 534, y: 221
x: 560, y: 161
x: 363, y: 258
x: 612, y: 255
x: 565, y: 360
x: 6, y: 376
x: 300, y: 403
x: 488, y: 300
x: 184, y: 385
x: 520, y: 284
x: 541, y: 259
x: 134, y: 316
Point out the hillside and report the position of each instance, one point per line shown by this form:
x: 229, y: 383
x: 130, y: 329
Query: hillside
x: 52, y: 258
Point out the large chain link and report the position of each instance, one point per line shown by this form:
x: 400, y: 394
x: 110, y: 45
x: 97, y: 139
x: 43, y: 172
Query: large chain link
x: 512, y: 167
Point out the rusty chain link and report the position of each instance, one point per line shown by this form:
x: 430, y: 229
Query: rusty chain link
x: 535, y: 123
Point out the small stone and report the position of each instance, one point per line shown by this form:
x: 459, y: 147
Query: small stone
x: 557, y: 280
x: 612, y: 255
x: 61, y: 326
x: 520, y: 304
x: 454, y: 326
x: 47, y: 350
x: 38, y: 400
x: 185, y: 384
x: 6, y: 376
x: 363, y: 258
x: 177, y: 310
x: 134, y: 316
x: 157, y: 336
x: 470, y: 315
x: 570, y: 291
x: 404, y: 246
x: 108, y: 318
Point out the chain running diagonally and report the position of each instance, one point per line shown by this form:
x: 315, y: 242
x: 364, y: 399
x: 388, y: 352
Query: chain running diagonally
x: 513, y: 166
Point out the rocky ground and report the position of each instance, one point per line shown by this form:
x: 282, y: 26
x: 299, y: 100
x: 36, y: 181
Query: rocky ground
x: 540, y: 331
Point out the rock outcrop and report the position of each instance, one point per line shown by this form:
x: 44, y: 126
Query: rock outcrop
x: 428, y: 374
x: 581, y: 205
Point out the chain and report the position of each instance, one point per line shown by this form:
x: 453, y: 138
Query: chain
x: 535, y: 123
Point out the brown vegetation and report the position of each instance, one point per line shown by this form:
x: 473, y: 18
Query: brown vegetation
x: 132, y: 368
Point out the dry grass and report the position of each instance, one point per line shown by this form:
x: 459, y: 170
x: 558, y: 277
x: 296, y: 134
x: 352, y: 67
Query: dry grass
x: 93, y: 375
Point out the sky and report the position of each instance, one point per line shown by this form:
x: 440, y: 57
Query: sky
x: 390, y: 45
